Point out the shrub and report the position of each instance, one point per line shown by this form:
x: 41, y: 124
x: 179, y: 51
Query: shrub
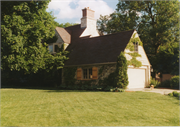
x: 109, y: 81
x: 111, y: 90
x: 175, y: 94
x: 120, y: 90
x: 166, y: 84
x: 69, y: 74
x: 117, y: 89
x: 170, y: 94
x: 121, y: 71
x: 154, y: 82
x: 175, y: 82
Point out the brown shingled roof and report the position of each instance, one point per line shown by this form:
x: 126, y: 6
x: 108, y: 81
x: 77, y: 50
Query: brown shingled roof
x: 102, y: 49
x: 76, y: 32
x: 65, y: 34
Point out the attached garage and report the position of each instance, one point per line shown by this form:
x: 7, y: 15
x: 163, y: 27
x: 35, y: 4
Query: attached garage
x: 136, y: 77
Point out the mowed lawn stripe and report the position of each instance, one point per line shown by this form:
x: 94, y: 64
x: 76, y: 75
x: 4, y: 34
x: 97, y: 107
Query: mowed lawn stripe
x: 21, y: 107
x: 96, y: 114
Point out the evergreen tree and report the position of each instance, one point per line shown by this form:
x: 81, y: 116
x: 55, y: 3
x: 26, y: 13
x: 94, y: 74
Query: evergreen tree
x: 121, y: 71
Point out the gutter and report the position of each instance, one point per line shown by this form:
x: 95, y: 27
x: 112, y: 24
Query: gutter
x: 89, y: 64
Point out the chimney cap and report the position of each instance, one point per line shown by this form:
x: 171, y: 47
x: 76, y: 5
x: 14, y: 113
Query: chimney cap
x: 87, y: 8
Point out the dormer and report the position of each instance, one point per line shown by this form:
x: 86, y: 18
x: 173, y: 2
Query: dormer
x: 63, y: 39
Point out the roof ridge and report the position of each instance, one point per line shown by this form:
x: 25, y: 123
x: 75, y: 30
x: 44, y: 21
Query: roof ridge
x: 109, y: 34
x: 73, y: 26
x: 118, y: 32
x: 64, y: 34
x: 59, y: 27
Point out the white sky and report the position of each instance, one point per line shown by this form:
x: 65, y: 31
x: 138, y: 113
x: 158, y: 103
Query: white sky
x: 71, y: 10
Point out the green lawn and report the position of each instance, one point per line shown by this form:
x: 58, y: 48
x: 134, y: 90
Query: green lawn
x: 28, y: 107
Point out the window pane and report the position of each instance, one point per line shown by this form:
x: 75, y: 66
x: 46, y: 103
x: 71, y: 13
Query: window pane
x: 57, y: 48
x: 85, y: 73
x: 50, y: 48
x: 135, y: 46
x: 90, y: 73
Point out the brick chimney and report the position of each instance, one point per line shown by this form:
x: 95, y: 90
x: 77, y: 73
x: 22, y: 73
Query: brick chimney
x: 88, y: 13
x: 87, y: 19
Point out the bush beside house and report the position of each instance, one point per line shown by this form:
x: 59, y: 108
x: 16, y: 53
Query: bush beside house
x: 121, y: 71
x: 154, y: 82
x: 175, y: 94
x: 172, y: 83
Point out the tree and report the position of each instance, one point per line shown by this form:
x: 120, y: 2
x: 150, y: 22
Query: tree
x: 157, y: 23
x: 167, y: 59
x: 117, y: 22
x: 102, y: 24
x: 121, y: 71
x: 64, y: 25
x: 26, y: 28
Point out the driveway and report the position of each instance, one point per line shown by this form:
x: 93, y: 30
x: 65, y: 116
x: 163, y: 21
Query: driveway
x: 163, y: 91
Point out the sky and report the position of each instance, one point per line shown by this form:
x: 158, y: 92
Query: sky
x: 71, y: 10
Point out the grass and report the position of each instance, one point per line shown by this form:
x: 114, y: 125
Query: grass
x: 28, y: 107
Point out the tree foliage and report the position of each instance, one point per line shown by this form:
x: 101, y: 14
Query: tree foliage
x: 167, y: 59
x: 25, y: 29
x: 121, y: 71
x: 64, y: 25
x: 116, y: 22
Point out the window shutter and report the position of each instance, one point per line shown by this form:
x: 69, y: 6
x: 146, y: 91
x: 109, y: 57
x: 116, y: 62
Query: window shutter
x: 79, y: 74
x: 94, y: 72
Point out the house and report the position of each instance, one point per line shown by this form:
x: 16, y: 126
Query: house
x: 92, y: 58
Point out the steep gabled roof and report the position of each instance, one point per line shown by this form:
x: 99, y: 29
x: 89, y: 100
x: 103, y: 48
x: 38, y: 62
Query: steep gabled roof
x: 75, y: 32
x: 65, y: 35
x: 70, y: 34
x: 102, y: 49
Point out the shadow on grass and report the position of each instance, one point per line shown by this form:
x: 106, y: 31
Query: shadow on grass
x: 49, y: 89
x: 74, y: 91
x: 37, y: 88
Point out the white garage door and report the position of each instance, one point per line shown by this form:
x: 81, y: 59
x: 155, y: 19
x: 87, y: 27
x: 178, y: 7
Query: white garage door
x: 136, y: 78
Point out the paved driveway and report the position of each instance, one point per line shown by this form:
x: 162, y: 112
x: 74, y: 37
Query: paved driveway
x: 163, y: 91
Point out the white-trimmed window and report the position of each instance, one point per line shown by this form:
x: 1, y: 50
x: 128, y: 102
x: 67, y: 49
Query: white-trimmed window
x: 87, y: 73
x: 135, y: 46
x: 53, y: 48
x: 50, y: 48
